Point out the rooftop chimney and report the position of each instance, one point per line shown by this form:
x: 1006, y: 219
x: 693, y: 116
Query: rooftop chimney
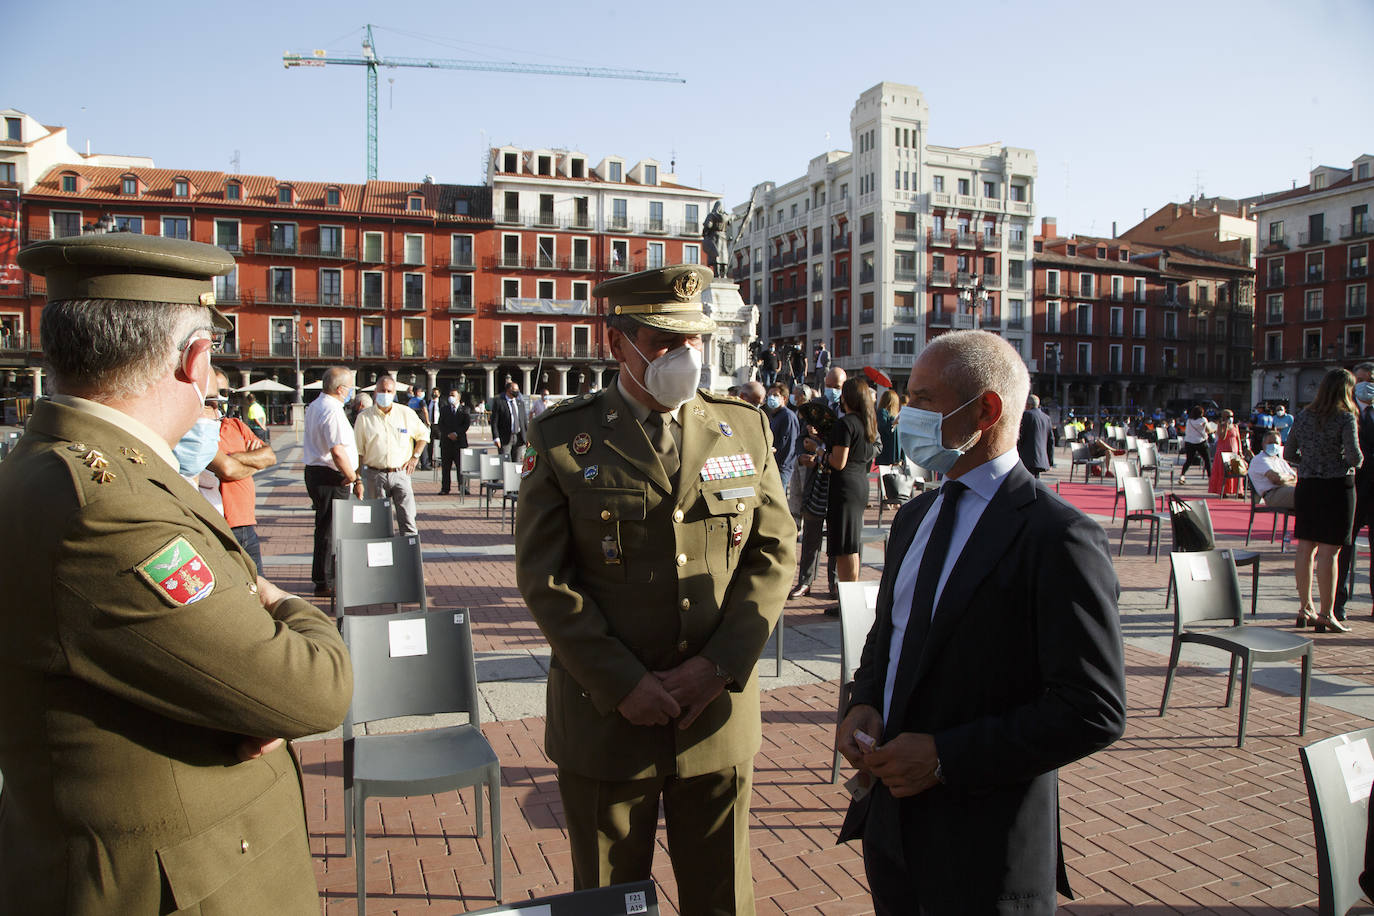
x: 1049, y: 227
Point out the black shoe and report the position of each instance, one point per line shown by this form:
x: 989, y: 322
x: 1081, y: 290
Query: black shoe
x: 832, y: 611
x: 443, y: 492
x: 324, y: 591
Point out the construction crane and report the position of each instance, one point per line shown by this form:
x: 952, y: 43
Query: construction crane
x: 372, y: 61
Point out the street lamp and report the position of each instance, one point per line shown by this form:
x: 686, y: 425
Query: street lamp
x: 1055, y: 348
x: 296, y: 348
x: 973, y: 296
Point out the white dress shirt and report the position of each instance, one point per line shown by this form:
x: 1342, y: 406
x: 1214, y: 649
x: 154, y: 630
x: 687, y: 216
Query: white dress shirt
x: 325, y: 427
x: 983, y: 483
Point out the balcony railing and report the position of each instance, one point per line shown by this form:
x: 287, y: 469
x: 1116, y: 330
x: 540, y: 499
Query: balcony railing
x: 965, y: 239
x: 904, y: 274
x: 1018, y: 244
x: 939, y: 319
x: 939, y: 278
x: 280, y: 248
x: 906, y: 234
x: 1312, y: 313
x: 866, y: 275
x: 839, y: 280
x: 993, y: 281
x: 1315, y: 275
x: 1355, y: 309
x: 991, y: 240
x: 904, y: 316
x: 1357, y: 272
x: 1357, y: 230
x: 1275, y: 281
x: 462, y: 262
x: 1276, y: 244
x: 839, y: 241
x: 1320, y: 237
x: 1274, y: 317
x: 458, y: 303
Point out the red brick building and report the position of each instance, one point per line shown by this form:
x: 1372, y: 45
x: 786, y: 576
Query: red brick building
x: 1130, y: 326
x: 1312, y: 273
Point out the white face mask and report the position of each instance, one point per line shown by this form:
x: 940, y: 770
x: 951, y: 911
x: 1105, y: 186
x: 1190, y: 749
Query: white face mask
x: 672, y: 379
x: 453, y: 401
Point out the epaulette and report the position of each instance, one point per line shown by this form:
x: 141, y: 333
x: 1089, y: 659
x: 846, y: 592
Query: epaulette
x: 568, y: 405
x: 724, y: 399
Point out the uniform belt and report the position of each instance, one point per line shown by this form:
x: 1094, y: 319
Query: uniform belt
x: 385, y: 470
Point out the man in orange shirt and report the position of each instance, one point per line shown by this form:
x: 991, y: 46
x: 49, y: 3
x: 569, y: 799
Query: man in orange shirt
x: 241, y: 454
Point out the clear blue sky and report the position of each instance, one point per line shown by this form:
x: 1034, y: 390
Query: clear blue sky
x: 1128, y: 106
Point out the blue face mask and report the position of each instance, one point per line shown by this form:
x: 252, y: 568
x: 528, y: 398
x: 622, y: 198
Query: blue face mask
x: 383, y: 399
x: 1272, y: 450
x: 773, y: 402
x: 1364, y: 391
x: 197, y: 448
x: 921, y: 436
x: 832, y: 394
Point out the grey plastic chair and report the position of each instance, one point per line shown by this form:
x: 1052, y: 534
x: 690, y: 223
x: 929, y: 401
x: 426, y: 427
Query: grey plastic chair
x: 493, y: 479
x: 363, y: 575
x: 633, y: 897
x: 1082, y: 457
x: 1122, y: 470
x: 1140, y: 507
x: 510, y: 490
x: 1239, y: 558
x: 441, y: 680
x: 1257, y: 507
x: 858, y: 610
x: 362, y: 518
x: 1216, y: 598
x: 1339, y: 822
x: 469, y: 467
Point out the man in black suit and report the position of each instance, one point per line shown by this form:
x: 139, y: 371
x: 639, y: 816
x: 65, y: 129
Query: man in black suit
x: 1364, y: 489
x: 995, y: 657
x: 1036, y: 440
x: 509, y: 423
x: 454, y: 421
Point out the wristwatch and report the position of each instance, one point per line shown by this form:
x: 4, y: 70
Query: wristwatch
x: 939, y: 771
x: 724, y: 675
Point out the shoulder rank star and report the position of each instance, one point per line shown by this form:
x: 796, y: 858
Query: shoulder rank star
x: 95, y: 460
x: 102, y: 476
x: 132, y: 454
x: 698, y: 410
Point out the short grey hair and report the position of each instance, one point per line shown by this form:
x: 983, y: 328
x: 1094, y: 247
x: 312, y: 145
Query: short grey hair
x: 1032, y: 402
x: 115, y: 348
x: 1363, y: 367
x: 334, y: 376
x: 981, y: 361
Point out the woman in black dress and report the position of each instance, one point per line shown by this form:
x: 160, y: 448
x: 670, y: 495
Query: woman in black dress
x: 1324, y: 450
x: 850, y: 450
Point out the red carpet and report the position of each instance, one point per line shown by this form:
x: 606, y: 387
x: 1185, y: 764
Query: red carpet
x: 1229, y: 516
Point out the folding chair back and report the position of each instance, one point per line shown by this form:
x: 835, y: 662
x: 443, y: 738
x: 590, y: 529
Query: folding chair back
x: 469, y: 461
x: 510, y: 476
x: 1123, y: 469
x: 441, y: 680
x: 379, y: 571
x: 1339, y: 821
x: 1208, y: 588
x: 639, y: 897
x: 491, y: 469
x: 1203, y: 516
x: 1140, y: 496
x: 858, y: 610
x: 362, y: 518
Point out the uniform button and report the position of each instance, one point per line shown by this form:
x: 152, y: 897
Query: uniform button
x: 682, y: 559
x: 682, y: 646
x: 739, y: 507
x: 605, y: 515
x: 685, y: 603
x: 243, y: 845
x: 678, y: 516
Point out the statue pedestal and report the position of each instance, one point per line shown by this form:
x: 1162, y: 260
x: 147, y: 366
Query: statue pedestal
x: 726, y: 350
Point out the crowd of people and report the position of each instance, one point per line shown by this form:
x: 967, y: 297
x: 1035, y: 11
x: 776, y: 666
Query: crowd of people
x: 149, y: 673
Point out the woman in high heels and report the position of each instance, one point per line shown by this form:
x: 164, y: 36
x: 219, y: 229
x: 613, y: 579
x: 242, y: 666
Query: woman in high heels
x: 1325, y: 450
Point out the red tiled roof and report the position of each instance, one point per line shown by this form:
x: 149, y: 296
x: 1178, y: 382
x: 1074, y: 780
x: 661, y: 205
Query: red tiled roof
x: 386, y: 198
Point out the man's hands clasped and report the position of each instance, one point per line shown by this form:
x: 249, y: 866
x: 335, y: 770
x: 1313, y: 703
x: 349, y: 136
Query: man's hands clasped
x: 679, y: 693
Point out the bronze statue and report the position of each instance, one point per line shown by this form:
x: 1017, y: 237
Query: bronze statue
x: 715, y: 238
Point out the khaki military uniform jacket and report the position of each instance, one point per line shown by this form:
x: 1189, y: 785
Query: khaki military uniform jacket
x: 626, y: 574
x: 134, y: 655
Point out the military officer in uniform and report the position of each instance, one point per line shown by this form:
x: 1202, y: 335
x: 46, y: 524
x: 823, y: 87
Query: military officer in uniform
x: 147, y: 673
x: 654, y: 548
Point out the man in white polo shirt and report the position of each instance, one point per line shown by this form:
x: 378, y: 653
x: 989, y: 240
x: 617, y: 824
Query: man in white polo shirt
x: 331, y: 467
x: 391, y: 438
x: 1271, y: 476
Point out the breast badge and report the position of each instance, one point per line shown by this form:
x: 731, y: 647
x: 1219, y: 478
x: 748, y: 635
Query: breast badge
x: 725, y: 429
x: 610, y: 549
x: 582, y: 443
x: 590, y: 472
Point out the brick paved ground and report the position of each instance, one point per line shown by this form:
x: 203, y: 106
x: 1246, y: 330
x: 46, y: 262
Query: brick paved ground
x: 1173, y: 818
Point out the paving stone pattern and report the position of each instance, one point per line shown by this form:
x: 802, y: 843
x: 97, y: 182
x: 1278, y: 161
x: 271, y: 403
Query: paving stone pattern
x: 1173, y: 818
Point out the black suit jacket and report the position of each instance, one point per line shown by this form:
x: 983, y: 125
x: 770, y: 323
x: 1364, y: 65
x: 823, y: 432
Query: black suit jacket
x: 453, y: 420
x: 502, y: 423
x: 1036, y: 441
x: 1364, y: 477
x: 1021, y: 673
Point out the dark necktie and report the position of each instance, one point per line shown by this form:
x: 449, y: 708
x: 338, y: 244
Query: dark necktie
x: 932, y: 563
x: 661, y: 437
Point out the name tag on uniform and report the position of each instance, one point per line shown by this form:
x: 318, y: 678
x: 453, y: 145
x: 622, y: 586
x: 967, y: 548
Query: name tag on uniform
x: 736, y: 493
x: 726, y: 466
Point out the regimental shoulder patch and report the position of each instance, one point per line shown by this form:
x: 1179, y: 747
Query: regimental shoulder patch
x: 531, y: 456
x: 178, y: 573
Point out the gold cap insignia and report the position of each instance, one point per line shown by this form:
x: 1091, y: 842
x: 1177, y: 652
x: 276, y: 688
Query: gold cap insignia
x: 686, y: 286
x: 101, y: 476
